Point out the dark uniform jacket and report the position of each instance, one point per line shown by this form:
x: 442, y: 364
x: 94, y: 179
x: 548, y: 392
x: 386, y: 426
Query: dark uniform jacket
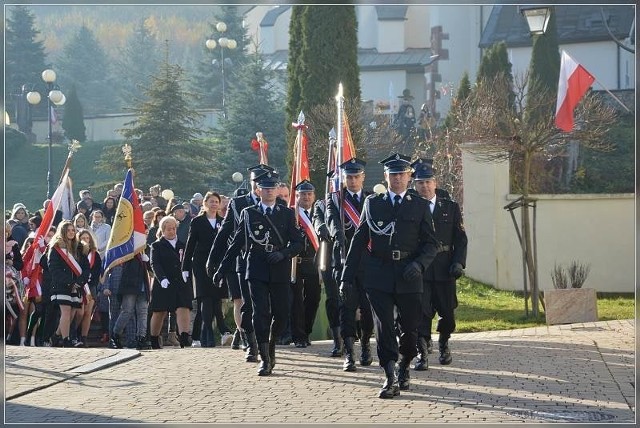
x: 389, y: 253
x: 319, y: 223
x: 135, y: 277
x: 333, y: 221
x: 252, y: 233
x: 62, y: 277
x: 224, y: 235
x: 198, y: 247
x: 450, y: 233
x: 166, y: 262
x: 308, y: 253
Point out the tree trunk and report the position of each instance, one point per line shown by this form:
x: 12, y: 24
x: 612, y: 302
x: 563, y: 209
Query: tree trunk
x: 526, y: 235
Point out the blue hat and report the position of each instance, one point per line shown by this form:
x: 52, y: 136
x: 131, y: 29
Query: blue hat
x: 423, y: 169
x: 259, y: 169
x: 305, y: 186
x: 267, y: 180
x: 353, y: 166
x: 396, y: 163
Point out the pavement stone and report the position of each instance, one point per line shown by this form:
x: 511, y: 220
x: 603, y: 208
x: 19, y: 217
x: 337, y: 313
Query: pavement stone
x: 574, y: 373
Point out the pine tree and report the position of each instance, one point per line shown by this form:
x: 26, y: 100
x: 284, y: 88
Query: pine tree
x: 253, y: 106
x: 294, y: 88
x: 138, y: 60
x: 73, y: 122
x: 84, y: 63
x: 165, y: 137
x: 207, y: 77
x: 328, y: 56
x: 24, y: 57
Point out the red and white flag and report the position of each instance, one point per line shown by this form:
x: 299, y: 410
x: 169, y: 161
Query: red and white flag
x: 574, y: 82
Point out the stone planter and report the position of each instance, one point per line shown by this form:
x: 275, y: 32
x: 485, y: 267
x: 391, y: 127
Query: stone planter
x: 570, y: 305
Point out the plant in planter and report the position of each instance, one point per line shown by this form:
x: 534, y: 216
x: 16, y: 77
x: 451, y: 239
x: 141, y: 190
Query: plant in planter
x: 568, y: 302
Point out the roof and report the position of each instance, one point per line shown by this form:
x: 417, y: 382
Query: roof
x: 272, y: 15
x: 370, y: 59
x: 575, y: 23
x: 391, y: 13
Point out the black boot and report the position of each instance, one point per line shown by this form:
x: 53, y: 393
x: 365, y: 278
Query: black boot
x: 252, y: 350
x: 365, y: 356
x: 210, y: 338
x: 422, y: 363
x: 429, y: 346
x: 445, y: 353
x: 235, y: 343
x: 185, y: 340
x: 244, y: 343
x: 155, y: 342
x: 115, y: 342
x: 265, y: 364
x: 349, y: 364
x: 390, y: 387
x: 272, y: 352
x: 337, y: 342
x: 67, y: 343
x: 142, y: 343
x: 403, y: 373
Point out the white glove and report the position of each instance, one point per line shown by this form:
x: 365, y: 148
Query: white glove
x: 164, y: 283
x: 185, y: 275
x: 25, y: 281
x: 144, y: 257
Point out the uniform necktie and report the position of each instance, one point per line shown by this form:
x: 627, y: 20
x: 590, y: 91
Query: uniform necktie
x: 355, y: 197
x: 268, y: 211
x: 307, y: 214
x: 396, y: 201
x: 429, y: 207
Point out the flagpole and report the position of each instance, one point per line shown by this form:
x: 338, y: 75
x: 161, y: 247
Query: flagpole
x: 610, y: 93
x: 340, y: 161
x: 295, y: 179
x: 74, y: 145
x: 322, y: 264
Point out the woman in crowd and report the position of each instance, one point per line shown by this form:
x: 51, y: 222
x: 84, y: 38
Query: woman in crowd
x: 109, y: 206
x: 90, y: 291
x: 169, y: 291
x: 80, y: 221
x: 155, y: 224
x: 20, y: 223
x: 202, y: 231
x: 15, y: 309
x: 101, y: 230
x: 69, y: 270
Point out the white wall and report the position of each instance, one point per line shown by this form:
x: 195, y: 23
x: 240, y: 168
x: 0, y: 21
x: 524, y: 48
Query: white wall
x: 593, y: 229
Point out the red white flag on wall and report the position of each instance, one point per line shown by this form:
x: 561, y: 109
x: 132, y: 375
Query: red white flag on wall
x: 574, y: 82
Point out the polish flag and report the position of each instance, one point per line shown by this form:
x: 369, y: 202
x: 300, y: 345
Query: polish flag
x: 574, y: 82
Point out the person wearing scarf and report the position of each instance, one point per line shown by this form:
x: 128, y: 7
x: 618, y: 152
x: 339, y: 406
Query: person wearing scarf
x: 90, y: 289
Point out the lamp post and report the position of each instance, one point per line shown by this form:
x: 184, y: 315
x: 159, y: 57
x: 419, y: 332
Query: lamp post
x: 55, y: 96
x: 227, y: 43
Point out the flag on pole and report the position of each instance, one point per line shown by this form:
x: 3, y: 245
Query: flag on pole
x: 574, y: 82
x: 67, y: 204
x: 348, y: 148
x: 300, y: 170
x: 31, y: 270
x: 128, y: 236
x: 54, y: 117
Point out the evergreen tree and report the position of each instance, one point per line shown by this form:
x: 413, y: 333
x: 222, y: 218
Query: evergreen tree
x: 207, y: 78
x: 254, y: 106
x: 73, y: 121
x: 84, y: 63
x: 164, y: 137
x: 495, y: 63
x: 293, y: 106
x: 24, y: 58
x: 327, y: 57
x: 464, y: 90
x: 138, y: 61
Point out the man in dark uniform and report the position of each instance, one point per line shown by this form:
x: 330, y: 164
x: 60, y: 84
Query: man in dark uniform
x: 306, y: 289
x: 440, y: 278
x: 332, y: 298
x: 352, y: 201
x: 218, y: 249
x: 272, y: 238
x: 397, y: 239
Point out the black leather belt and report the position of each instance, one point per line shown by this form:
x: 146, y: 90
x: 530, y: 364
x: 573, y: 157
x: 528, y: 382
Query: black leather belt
x: 268, y: 248
x: 392, y: 255
x: 304, y: 259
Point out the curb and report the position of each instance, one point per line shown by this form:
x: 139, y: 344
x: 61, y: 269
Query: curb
x: 121, y: 357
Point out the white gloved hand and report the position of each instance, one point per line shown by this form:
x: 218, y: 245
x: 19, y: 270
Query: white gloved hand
x: 164, y: 283
x: 144, y: 257
x: 185, y: 275
x: 25, y: 281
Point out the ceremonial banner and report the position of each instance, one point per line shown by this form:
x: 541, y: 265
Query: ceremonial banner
x: 128, y: 236
x: 574, y: 82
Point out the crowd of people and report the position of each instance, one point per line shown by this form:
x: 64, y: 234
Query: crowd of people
x: 388, y: 263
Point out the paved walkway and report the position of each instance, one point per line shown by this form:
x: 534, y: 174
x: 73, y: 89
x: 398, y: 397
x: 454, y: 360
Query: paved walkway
x: 571, y: 373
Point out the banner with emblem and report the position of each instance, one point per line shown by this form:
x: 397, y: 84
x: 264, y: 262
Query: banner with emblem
x: 128, y: 236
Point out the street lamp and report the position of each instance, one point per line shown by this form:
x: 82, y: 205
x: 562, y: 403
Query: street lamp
x: 55, y: 96
x: 224, y: 42
x: 537, y: 18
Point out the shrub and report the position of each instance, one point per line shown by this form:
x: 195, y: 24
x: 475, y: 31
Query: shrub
x: 575, y: 275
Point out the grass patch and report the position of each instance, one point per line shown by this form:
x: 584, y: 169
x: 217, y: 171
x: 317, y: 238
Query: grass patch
x: 26, y: 172
x: 484, y: 308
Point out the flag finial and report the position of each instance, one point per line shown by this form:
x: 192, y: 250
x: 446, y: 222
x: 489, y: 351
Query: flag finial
x: 126, y: 150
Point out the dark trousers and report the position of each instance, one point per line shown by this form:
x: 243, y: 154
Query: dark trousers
x: 246, y: 310
x: 306, y: 299
x: 440, y: 297
x: 332, y: 302
x: 409, y: 307
x: 270, y: 308
x: 196, y: 330
x: 210, y: 308
x: 356, y: 299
